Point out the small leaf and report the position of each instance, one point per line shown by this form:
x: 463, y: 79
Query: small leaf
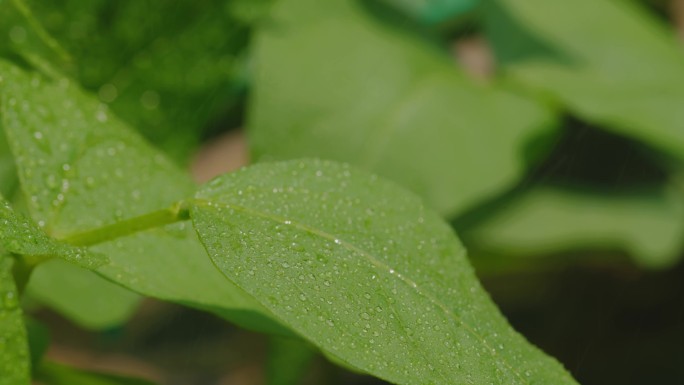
x: 14, y: 354
x: 358, y: 91
x: 57, y: 374
x: 607, y: 61
x: 360, y: 268
x: 648, y: 225
x: 20, y: 236
x: 81, y: 168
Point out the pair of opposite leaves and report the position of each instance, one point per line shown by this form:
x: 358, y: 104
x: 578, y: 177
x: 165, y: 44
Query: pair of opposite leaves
x: 353, y: 263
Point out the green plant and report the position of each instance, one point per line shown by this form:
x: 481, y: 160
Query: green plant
x: 350, y: 262
x: 320, y: 254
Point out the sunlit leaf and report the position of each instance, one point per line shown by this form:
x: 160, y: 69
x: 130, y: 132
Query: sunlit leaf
x: 359, y: 91
x: 360, y: 268
x: 14, y: 354
x: 607, y: 61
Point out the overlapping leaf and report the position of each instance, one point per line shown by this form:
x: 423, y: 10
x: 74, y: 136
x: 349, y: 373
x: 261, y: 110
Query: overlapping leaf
x: 21, y: 236
x: 606, y: 61
x: 360, y: 268
x: 357, y: 90
x: 81, y: 168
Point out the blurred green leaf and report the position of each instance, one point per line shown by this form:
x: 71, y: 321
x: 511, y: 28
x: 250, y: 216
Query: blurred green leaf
x: 81, y: 295
x: 648, y: 225
x: 57, y: 374
x: 38, y: 340
x: 360, y: 268
x: 333, y: 82
x: 170, y: 69
x: 14, y: 354
x: 8, y: 173
x: 433, y: 11
x: 81, y: 169
x: 607, y: 61
x: 24, y: 36
x: 288, y: 361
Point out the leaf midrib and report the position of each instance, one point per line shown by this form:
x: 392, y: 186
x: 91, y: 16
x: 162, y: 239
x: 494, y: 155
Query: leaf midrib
x: 374, y: 261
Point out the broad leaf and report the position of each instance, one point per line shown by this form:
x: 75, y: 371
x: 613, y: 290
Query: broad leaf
x: 606, y: 60
x: 361, y: 269
x: 81, y: 168
x: 14, y: 354
x: 359, y: 91
x: 20, y: 236
x: 546, y: 220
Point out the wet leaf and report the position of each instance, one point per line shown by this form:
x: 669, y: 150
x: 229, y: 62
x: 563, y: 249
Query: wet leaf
x: 358, y: 91
x: 14, y: 354
x: 360, y: 268
x: 607, y: 61
x: 21, y: 236
x: 546, y: 220
x: 82, y: 168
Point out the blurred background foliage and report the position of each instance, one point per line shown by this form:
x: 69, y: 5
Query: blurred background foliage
x: 550, y: 133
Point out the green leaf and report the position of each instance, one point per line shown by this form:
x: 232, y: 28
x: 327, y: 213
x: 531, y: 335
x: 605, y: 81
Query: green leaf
x: 81, y: 168
x: 14, y: 354
x: 24, y: 36
x: 81, y: 295
x: 648, y: 225
x: 607, y: 61
x: 38, y: 340
x: 177, y: 68
x: 434, y: 11
x: 288, y: 361
x: 57, y: 374
x: 362, y: 92
x: 8, y: 173
x: 360, y: 268
x: 20, y: 236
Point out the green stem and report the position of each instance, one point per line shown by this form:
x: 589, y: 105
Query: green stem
x: 176, y: 213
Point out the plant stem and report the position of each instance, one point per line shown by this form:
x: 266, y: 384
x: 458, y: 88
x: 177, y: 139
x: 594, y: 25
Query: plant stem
x: 176, y: 213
